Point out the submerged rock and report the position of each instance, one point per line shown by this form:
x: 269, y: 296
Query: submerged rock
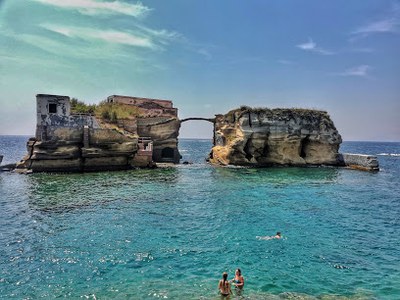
x: 264, y: 137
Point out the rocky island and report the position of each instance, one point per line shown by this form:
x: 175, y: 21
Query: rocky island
x: 264, y: 137
x: 120, y: 133
x: 124, y: 132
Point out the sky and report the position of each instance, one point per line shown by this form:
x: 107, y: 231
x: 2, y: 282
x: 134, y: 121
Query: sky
x: 208, y: 57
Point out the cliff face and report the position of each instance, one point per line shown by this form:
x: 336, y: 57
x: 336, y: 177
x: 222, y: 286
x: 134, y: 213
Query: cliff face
x: 263, y: 137
x: 164, y: 133
x: 77, y: 149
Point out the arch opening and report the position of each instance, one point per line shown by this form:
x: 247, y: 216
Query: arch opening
x: 196, y: 140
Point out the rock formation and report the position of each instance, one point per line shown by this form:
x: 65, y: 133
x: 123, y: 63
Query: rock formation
x: 136, y: 132
x: 264, y: 137
x: 164, y: 132
x: 67, y: 142
x: 74, y: 150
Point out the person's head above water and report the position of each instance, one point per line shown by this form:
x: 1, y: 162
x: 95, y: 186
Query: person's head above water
x: 278, y: 233
x: 238, y: 272
x: 224, y: 276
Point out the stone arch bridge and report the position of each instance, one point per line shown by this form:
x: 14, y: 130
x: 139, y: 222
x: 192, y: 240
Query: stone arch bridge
x: 212, y: 120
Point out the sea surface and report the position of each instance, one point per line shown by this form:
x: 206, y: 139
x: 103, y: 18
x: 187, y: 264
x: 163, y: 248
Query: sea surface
x: 170, y: 233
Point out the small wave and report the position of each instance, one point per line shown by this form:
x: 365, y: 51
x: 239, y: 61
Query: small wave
x: 389, y: 154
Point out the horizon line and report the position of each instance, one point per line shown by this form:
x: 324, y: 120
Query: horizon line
x: 204, y: 138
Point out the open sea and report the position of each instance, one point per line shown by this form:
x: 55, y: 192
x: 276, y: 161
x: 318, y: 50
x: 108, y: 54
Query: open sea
x: 170, y: 233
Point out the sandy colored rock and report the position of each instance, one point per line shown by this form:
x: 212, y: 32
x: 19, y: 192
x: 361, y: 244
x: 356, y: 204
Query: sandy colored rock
x: 263, y: 137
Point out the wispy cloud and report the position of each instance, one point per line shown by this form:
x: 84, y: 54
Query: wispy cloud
x: 383, y: 26
x: 311, y: 46
x: 109, y: 36
x: 69, y: 54
x: 389, y: 23
x: 360, y: 71
x: 96, y: 7
x: 62, y: 49
x: 163, y: 35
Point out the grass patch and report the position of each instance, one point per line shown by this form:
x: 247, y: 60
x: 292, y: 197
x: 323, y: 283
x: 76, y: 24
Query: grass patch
x: 79, y: 107
x: 112, y: 112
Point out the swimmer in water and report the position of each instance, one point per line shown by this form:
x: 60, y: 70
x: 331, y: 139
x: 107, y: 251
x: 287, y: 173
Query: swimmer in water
x: 277, y: 236
x: 238, y: 280
x: 224, y: 286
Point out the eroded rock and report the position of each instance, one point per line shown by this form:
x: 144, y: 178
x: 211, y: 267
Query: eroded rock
x: 263, y: 137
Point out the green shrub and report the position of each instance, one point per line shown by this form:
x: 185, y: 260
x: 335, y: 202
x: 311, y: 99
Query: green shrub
x: 114, y: 117
x: 79, y: 107
x: 105, y: 115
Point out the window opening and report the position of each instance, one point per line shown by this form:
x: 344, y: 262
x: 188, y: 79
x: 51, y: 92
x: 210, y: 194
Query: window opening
x: 52, y: 108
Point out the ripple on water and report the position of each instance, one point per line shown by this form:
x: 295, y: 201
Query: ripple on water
x: 170, y: 233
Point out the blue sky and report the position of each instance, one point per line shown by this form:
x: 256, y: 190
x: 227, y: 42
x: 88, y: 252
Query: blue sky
x: 208, y: 57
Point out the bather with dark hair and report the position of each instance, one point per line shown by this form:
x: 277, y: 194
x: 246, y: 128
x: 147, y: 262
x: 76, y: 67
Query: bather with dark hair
x: 224, y: 286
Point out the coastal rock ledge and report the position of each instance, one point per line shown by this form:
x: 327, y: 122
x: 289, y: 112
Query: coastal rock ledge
x: 262, y: 137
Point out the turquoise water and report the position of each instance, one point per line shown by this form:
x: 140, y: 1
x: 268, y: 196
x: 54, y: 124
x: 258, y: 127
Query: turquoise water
x: 170, y: 233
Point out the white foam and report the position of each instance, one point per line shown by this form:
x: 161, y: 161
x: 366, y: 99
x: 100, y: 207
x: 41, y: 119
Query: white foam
x: 389, y: 154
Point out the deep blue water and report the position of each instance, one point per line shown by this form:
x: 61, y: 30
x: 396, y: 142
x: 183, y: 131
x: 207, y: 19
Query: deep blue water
x: 170, y: 233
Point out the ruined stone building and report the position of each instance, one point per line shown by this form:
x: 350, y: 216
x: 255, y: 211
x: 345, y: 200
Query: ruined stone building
x: 157, y: 120
x: 70, y: 142
x: 147, y: 106
x: 54, y: 111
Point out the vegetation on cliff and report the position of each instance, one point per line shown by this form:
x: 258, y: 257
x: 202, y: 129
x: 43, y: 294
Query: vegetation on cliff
x: 282, y: 114
x: 112, y: 112
x: 79, y: 107
x: 109, y: 112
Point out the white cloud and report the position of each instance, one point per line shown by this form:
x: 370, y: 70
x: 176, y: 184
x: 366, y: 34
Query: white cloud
x: 109, y: 36
x: 312, y: 47
x: 160, y: 34
x: 383, y: 26
x: 390, y: 23
x: 62, y: 49
x: 361, y: 71
x: 97, y: 7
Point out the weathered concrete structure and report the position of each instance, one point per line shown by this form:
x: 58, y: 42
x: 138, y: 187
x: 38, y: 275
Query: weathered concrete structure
x: 65, y: 142
x: 359, y: 161
x: 158, y: 120
x: 164, y: 133
x: 53, y: 111
x: 148, y: 107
